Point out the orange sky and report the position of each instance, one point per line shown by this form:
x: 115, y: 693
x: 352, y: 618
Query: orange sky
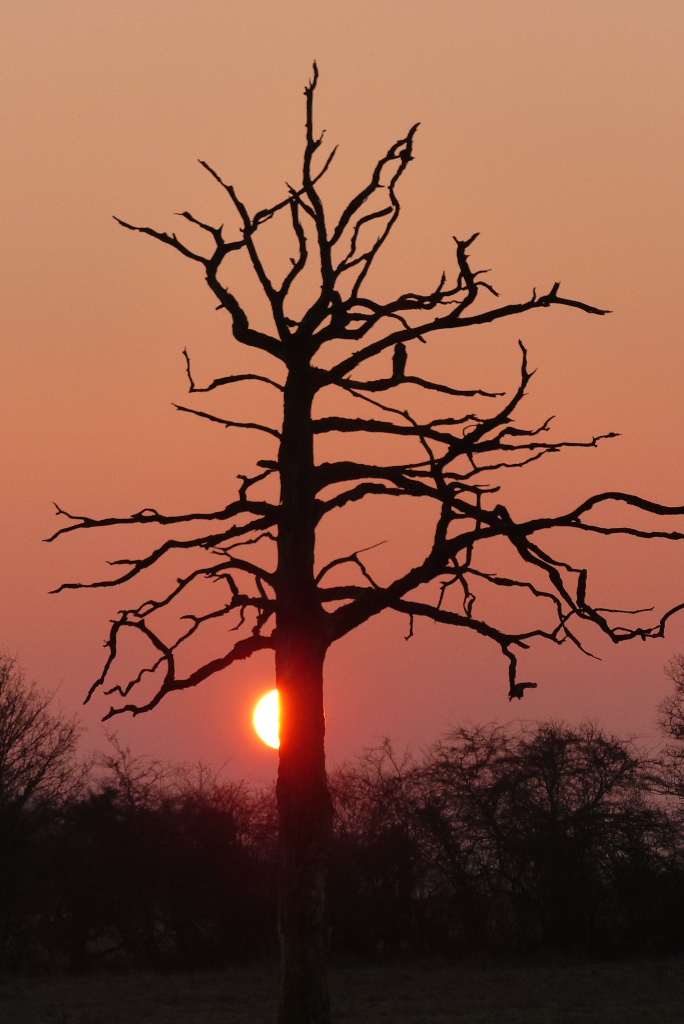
x: 553, y: 129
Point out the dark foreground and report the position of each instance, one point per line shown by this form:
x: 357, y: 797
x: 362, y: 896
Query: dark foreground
x: 614, y: 993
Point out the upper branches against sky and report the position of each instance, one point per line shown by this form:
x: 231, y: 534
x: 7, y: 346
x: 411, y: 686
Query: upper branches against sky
x: 449, y: 461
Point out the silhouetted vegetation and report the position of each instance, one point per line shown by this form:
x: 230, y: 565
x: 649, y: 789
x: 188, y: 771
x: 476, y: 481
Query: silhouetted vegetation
x: 497, y: 841
x: 39, y: 773
x: 354, y: 421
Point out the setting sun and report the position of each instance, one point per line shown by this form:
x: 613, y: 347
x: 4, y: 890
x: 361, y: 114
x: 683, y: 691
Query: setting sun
x: 265, y: 719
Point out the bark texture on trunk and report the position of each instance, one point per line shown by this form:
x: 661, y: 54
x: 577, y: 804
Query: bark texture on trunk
x: 304, y: 804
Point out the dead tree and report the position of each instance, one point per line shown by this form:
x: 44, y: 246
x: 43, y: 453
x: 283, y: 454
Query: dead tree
x: 261, y: 547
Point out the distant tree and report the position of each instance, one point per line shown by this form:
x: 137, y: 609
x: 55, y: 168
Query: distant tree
x: 160, y: 866
x: 545, y: 835
x: 670, y: 776
x: 38, y: 743
x: 377, y: 869
x: 672, y: 707
x: 328, y: 335
x: 39, y: 769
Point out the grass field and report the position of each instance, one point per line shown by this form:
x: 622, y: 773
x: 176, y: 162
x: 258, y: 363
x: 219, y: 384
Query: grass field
x: 624, y: 993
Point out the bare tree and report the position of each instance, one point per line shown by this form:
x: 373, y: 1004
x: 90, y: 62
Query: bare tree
x: 672, y: 707
x: 39, y: 770
x: 37, y: 744
x: 261, y: 546
x: 669, y: 776
x: 535, y: 829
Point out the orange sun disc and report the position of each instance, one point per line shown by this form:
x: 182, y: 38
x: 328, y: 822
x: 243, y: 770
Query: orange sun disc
x: 266, y: 719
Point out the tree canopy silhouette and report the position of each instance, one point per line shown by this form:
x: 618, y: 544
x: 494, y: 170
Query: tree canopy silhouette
x: 261, y: 546
x: 38, y: 744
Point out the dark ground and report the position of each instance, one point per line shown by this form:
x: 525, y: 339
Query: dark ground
x: 603, y: 993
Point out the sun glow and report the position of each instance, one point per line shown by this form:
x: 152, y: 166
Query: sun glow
x: 266, y: 719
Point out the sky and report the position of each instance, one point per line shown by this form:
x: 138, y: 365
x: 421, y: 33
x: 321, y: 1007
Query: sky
x: 555, y: 130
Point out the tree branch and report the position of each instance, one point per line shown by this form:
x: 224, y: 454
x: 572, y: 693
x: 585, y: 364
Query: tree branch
x: 139, y: 564
x: 240, y: 651
x: 447, y: 322
x: 228, y: 423
x: 149, y: 515
x: 220, y: 381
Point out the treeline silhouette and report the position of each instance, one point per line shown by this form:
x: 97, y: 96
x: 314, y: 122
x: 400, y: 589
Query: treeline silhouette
x: 495, y: 841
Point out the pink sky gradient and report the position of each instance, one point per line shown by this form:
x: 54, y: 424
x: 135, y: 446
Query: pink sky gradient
x: 553, y: 129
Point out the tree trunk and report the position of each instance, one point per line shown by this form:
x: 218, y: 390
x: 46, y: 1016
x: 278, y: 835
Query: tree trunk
x: 305, y: 820
x: 304, y: 804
